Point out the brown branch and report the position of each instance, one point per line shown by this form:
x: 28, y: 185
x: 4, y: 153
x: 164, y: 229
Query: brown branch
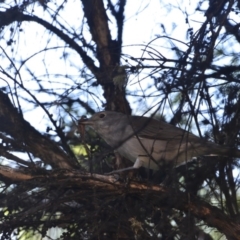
x: 14, y: 175
x: 13, y: 124
x: 158, y: 195
x: 108, y: 53
x: 98, y: 23
x: 162, y: 196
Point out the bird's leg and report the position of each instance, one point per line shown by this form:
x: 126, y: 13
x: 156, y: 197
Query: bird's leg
x: 127, y: 173
x: 118, y: 157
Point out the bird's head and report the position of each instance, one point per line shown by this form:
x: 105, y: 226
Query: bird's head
x: 104, y: 122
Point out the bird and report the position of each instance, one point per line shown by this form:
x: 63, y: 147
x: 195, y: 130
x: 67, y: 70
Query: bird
x: 149, y: 143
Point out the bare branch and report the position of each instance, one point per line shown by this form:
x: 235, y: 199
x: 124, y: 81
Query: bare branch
x: 15, y: 14
x: 13, y: 124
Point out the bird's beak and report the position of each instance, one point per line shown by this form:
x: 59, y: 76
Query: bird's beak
x: 84, y: 121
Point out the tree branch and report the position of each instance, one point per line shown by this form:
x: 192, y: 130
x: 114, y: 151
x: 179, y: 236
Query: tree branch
x: 14, y: 14
x: 158, y: 196
x: 13, y: 123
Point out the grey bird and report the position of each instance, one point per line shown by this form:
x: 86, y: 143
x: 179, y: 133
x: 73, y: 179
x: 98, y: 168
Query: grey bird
x: 149, y: 143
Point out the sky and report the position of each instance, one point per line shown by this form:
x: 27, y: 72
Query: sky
x: 143, y: 20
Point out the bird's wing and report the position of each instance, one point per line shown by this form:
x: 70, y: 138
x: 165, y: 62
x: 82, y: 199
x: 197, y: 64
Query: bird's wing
x: 150, y: 128
x: 178, y: 139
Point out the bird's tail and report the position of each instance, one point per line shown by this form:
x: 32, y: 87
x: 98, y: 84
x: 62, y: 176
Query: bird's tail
x: 219, y: 150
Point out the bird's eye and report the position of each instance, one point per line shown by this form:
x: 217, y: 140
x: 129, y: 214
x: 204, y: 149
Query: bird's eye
x: 102, y: 115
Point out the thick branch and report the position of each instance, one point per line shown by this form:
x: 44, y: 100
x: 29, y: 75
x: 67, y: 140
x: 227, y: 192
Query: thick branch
x: 158, y: 195
x: 108, y: 53
x: 13, y: 124
x: 98, y: 23
x: 14, y: 175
